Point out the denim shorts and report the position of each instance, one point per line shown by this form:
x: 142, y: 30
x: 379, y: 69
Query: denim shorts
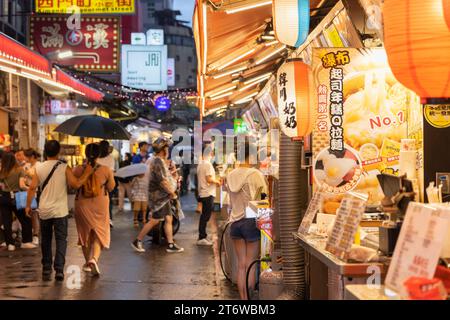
x: 245, y: 229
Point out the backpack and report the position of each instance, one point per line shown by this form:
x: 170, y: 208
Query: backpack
x: 92, y: 187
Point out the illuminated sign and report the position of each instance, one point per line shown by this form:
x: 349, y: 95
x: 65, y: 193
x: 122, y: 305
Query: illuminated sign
x: 162, y: 103
x: 85, y: 6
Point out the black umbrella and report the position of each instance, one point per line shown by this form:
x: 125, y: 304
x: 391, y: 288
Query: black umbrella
x: 92, y: 126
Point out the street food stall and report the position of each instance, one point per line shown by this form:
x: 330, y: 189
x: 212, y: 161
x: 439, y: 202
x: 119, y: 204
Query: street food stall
x: 371, y: 132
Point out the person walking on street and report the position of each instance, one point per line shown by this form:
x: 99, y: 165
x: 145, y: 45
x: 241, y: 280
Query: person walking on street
x: 12, y: 180
x: 32, y: 159
x: 207, y: 183
x: 142, y: 156
x: 162, y: 189
x: 92, y: 209
x: 124, y: 183
x: 106, y: 159
x: 52, y: 178
x: 139, y: 195
x: 244, y: 184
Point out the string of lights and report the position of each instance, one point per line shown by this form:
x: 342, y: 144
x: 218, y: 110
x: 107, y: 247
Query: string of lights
x: 137, y: 96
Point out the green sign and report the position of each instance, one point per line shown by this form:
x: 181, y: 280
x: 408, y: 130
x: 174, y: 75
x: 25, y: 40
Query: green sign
x: 240, y: 126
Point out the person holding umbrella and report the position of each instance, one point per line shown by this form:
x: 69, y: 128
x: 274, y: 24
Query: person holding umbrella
x: 162, y: 190
x: 92, y: 210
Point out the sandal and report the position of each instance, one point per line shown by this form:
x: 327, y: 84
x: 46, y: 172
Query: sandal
x: 95, y: 271
x: 136, y: 223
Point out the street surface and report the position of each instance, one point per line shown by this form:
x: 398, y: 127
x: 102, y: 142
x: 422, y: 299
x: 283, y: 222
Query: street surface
x: 126, y: 275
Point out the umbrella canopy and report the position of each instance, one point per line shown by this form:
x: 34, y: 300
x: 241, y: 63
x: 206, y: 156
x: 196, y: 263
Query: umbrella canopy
x: 131, y: 170
x: 93, y: 126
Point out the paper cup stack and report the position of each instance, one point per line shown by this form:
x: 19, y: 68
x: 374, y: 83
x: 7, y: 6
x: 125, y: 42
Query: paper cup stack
x: 408, y: 158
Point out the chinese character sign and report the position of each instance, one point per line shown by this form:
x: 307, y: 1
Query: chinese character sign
x: 94, y: 47
x: 361, y: 119
x: 85, y: 6
x: 295, y: 102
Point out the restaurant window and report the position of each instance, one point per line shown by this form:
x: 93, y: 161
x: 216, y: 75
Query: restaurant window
x: 189, y: 59
x: 177, y: 77
x: 178, y: 58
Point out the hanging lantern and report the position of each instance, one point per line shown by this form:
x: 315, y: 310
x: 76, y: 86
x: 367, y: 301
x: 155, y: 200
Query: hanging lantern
x: 446, y: 7
x: 295, y: 103
x: 291, y: 21
x: 417, y: 41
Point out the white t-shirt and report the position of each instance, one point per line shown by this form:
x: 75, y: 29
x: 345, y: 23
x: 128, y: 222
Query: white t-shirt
x: 53, y: 201
x: 107, y: 161
x: 205, y: 189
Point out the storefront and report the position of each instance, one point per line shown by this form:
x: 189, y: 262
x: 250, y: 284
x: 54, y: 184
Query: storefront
x: 27, y: 82
x: 371, y: 142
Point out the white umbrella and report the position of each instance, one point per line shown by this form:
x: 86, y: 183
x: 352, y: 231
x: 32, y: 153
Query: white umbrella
x: 131, y: 170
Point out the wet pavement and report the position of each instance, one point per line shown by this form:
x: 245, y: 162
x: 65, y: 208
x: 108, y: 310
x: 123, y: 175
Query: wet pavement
x: 153, y: 275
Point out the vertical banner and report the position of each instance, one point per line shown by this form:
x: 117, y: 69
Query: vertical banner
x: 171, y: 72
x: 361, y: 119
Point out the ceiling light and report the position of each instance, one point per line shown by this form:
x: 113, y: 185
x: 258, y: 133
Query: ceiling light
x: 264, y: 76
x: 221, y: 91
x: 236, y: 59
x: 222, y: 96
x: 270, y: 55
x: 248, y: 7
x: 268, y: 37
x: 220, y: 75
x: 249, y: 86
x: 271, y: 43
x: 246, y: 99
x: 205, y: 37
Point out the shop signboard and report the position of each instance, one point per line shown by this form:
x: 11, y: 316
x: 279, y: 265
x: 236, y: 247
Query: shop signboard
x: 171, y: 72
x: 155, y: 37
x: 85, y: 6
x: 70, y: 150
x: 144, y: 67
x: 361, y: 119
x: 62, y: 107
x: 239, y: 126
x: 348, y: 218
x: 419, y: 245
x: 138, y: 38
x: 437, y: 115
x: 93, y: 47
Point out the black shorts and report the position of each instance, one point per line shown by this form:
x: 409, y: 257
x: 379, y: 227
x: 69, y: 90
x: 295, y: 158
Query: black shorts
x: 245, y: 229
x: 166, y: 210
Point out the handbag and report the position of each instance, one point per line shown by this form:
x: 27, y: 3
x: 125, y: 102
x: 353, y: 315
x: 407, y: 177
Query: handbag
x: 21, y: 201
x: 20, y: 198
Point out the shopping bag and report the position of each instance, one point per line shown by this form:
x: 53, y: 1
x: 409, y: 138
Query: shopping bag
x: 21, y: 201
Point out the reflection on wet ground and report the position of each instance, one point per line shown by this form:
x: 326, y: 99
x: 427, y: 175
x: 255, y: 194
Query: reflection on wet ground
x: 152, y: 275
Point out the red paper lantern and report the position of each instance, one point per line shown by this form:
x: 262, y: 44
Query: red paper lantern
x: 417, y: 42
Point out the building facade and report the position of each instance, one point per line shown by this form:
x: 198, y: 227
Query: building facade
x: 20, y: 99
x: 178, y: 36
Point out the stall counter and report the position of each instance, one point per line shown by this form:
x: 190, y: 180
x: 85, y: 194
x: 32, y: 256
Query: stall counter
x: 327, y: 275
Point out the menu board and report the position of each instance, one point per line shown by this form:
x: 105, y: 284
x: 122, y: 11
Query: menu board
x: 254, y: 118
x: 311, y: 212
x: 419, y: 245
x: 267, y: 107
x: 348, y: 217
x: 362, y: 117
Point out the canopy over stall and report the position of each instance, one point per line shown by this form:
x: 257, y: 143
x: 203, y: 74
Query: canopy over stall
x: 237, y: 50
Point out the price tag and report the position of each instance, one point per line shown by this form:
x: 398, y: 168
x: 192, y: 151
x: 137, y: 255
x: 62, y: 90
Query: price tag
x: 419, y: 245
x: 348, y: 217
x: 311, y: 212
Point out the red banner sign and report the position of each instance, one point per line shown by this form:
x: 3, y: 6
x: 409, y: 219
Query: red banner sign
x: 94, y: 47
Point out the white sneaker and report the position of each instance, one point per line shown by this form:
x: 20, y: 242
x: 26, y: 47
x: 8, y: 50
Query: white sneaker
x: 204, y: 242
x: 137, y: 246
x: 11, y: 247
x: 28, y: 245
x: 36, y: 240
x: 3, y: 244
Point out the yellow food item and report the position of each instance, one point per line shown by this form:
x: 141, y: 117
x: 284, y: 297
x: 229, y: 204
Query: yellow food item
x: 330, y: 207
